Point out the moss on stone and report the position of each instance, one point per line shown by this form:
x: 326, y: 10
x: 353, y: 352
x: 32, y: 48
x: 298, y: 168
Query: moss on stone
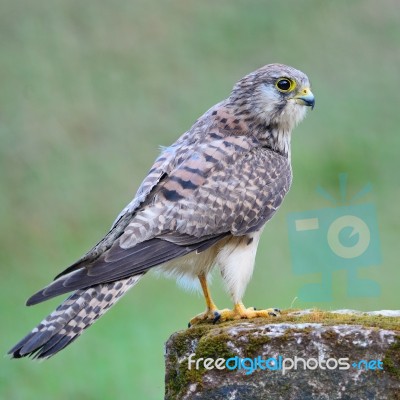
x: 391, y: 361
x: 214, y: 341
x: 320, y: 317
x: 291, y: 331
x: 331, y: 318
x: 215, y: 345
x: 183, y: 338
x: 181, y: 378
x: 254, y: 343
x: 330, y: 335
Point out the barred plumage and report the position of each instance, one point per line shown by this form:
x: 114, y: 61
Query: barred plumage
x: 204, y: 202
x: 68, y: 321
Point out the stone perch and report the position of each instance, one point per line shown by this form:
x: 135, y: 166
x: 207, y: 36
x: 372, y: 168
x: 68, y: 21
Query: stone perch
x: 342, y: 354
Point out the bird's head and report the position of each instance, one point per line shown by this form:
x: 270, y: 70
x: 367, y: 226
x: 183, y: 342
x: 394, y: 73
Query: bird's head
x: 275, y: 95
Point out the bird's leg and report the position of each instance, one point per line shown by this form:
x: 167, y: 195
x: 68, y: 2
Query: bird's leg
x: 237, y: 262
x: 241, y: 312
x: 211, y: 312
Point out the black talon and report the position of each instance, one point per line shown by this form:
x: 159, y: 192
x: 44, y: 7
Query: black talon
x: 217, y: 317
x: 272, y: 314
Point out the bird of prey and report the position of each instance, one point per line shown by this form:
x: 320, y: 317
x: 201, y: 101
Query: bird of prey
x: 204, y: 203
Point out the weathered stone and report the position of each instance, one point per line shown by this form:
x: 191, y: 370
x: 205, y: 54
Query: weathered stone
x: 308, y: 335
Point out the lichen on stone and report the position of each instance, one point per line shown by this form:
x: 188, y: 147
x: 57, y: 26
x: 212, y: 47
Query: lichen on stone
x: 311, y: 333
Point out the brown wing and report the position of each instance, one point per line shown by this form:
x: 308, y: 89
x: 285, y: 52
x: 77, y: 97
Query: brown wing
x: 229, y: 185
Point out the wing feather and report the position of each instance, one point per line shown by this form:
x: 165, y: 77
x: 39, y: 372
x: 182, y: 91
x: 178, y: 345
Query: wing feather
x: 226, y: 185
x: 124, y: 263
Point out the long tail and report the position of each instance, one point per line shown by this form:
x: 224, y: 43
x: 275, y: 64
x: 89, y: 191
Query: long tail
x: 68, y: 321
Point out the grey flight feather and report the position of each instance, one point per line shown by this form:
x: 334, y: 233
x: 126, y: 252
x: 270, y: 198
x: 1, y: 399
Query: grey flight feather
x: 68, y: 321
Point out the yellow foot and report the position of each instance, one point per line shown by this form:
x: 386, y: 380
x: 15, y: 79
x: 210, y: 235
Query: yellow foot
x: 239, y: 312
x: 210, y: 315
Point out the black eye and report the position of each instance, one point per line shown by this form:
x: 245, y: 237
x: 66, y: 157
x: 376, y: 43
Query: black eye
x: 284, y: 85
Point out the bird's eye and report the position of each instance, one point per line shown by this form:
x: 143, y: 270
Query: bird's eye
x: 285, y: 85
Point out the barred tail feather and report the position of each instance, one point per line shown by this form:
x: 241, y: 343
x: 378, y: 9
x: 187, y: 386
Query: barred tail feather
x: 69, y: 320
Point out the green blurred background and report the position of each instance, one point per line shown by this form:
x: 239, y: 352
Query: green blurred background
x: 90, y: 89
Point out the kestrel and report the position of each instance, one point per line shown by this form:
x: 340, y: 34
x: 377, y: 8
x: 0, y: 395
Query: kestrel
x: 204, y: 203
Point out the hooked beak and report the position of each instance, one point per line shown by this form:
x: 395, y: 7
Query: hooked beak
x: 305, y: 98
